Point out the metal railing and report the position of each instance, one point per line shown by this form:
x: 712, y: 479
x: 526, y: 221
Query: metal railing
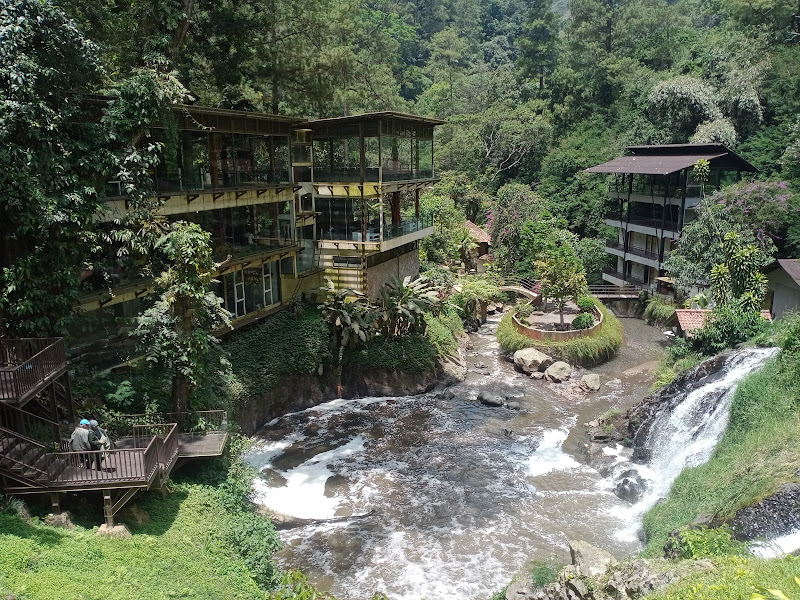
x: 527, y: 283
x: 406, y: 226
x: 26, y: 362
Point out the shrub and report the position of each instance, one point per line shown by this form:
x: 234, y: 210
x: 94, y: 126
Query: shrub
x: 440, y: 335
x: 583, y: 321
x: 659, y: 312
x: 705, y: 543
x: 276, y: 346
x: 543, y: 573
x: 728, y: 326
x: 585, y: 304
x: 407, y: 353
x: 524, y: 310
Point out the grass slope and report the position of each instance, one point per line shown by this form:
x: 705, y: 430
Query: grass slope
x: 760, y: 450
x: 183, y: 552
x: 735, y: 578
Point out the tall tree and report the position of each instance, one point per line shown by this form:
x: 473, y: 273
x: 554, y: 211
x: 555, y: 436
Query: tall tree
x: 537, y: 45
x: 48, y: 194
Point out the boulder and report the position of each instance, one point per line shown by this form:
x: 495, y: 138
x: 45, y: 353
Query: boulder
x: 490, y: 399
x: 513, y: 405
x: 589, y: 559
x: 62, y: 519
x: 537, y: 375
x: 590, y: 382
x: 530, y: 360
x: 557, y: 372
x: 630, y: 486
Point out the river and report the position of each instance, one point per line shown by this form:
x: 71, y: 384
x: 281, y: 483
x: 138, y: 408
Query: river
x: 460, y: 495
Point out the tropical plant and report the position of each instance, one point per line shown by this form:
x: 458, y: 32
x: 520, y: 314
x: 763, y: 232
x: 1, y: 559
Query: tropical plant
x: 738, y: 279
x: 466, y: 249
x: 763, y: 593
x: 402, y: 305
x: 349, y: 315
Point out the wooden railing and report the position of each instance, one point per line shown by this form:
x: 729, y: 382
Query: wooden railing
x: 201, y: 421
x: 42, y: 430
x: 27, y: 362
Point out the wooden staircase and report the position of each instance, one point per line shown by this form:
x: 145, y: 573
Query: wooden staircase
x: 28, y: 462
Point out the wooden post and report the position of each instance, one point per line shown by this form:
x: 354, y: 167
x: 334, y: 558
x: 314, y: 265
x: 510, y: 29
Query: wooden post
x: 55, y: 502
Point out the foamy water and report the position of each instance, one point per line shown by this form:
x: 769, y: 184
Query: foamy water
x: 463, y: 495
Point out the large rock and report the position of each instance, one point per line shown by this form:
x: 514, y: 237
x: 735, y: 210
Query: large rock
x: 530, y: 360
x: 589, y: 559
x: 774, y: 516
x: 490, y: 399
x: 630, y: 486
x: 590, y: 382
x: 557, y: 372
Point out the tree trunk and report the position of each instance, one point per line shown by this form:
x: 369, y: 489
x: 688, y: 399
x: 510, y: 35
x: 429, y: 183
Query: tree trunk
x: 181, y: 390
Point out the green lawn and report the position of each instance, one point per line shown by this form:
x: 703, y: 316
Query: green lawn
x: 182, y: 552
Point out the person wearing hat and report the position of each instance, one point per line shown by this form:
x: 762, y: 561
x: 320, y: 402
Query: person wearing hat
x: 102, y: 436
x: 83, y: 439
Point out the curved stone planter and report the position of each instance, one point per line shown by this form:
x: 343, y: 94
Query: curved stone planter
x: 559, y: 336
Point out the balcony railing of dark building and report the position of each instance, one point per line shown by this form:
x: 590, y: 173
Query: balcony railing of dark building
x: 656, y: 223
x: 407, y: 226
x: 657, y: 186
x: 209, y: 160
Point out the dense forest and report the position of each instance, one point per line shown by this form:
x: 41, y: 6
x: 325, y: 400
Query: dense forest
x: 532, y: 92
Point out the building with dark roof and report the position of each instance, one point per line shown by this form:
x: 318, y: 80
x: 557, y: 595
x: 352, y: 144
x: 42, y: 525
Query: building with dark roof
x: 655, y: 193
x: 783, y: 286
x: 287, y: 201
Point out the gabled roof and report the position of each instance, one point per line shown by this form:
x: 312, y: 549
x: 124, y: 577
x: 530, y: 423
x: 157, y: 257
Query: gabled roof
x: 790, y: 265
x: 478, y: 233
x: 670, y: 158
x: 692, y: 319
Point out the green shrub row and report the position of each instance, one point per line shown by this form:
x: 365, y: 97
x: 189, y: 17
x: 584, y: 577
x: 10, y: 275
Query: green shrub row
x: 582, y: 351
x: 280, y: 345
x: 412, y: 352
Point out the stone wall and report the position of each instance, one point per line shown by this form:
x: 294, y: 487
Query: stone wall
x: 401, y: 265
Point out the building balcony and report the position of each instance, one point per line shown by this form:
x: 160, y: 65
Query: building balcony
x: 619, y: 278
x: 647, y: 226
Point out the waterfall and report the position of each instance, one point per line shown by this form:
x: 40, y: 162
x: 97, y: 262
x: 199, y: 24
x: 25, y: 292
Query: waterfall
x: 685, y: 432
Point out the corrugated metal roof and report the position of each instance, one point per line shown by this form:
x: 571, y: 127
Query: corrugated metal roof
x: 651, y: 164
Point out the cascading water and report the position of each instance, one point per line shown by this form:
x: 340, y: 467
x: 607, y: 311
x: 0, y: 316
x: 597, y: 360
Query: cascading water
x: 456, y: 496
x: 687, y: 435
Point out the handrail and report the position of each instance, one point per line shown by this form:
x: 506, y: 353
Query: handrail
x: 206, y: 420
x: 34, y: 369
x: 25, y: 423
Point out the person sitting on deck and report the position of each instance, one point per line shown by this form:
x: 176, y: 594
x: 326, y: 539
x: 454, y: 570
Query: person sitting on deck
x: 83, y: 439
x: 102, y: 436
